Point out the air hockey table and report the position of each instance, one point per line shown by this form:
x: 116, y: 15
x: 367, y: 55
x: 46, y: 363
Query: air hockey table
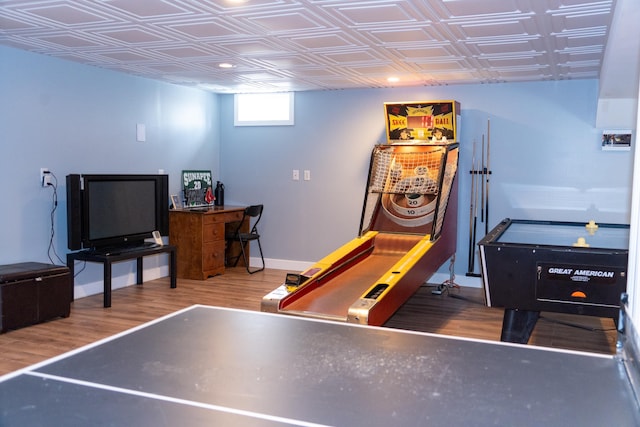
x: 567, y: 267
x: 211, y: 366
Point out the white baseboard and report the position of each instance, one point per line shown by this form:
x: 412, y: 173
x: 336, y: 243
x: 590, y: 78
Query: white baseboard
x: 162, y: 270
x: 466, y: 281
x: 123, y: 274
x: 299, y: 266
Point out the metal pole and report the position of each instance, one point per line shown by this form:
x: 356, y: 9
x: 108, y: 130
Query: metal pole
x: 482, y: 172
x: 471, y: 206
x: 475, y: 225
x: 487, y: 172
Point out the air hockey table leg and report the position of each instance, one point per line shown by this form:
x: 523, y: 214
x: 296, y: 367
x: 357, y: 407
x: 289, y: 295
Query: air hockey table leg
x: 517, y: 325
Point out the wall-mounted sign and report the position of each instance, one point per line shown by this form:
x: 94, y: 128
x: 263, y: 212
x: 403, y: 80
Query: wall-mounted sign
x: 198, y: 188
x: 422, y: 121
x: 616, y: 140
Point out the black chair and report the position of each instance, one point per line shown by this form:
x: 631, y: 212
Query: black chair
x: 251, y: 213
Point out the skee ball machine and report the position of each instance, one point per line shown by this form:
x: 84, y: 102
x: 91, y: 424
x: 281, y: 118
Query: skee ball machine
x: 407, y: 231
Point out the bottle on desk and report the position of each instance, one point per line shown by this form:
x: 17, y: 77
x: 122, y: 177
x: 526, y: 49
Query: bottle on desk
x: 219, y: 194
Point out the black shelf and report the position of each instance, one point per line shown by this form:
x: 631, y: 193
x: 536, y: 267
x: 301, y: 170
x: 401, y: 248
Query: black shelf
x: 107, y: 258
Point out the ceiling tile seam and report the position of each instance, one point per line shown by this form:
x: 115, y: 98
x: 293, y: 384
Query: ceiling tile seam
x: 581, y: 32
x: 604, y: 7
x: 510, y: 18
x: 338, y: 13
x: 43, y: 18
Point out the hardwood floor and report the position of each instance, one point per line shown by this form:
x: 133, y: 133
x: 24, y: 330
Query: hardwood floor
x: 461, y: 313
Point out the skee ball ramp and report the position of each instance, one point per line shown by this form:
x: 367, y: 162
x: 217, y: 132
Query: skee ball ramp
x: 407, y: 231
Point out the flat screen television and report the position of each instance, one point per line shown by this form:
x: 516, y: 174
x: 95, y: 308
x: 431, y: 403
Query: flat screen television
x: 115, y: 210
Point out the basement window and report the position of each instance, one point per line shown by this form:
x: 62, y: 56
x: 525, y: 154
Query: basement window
x: 263, y: 109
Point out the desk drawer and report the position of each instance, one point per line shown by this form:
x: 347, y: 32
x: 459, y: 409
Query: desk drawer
x: 199, y: 237
x: 213, y: 255
x: 212, y: 219
x: 233, y: 216
x: 213, y: 232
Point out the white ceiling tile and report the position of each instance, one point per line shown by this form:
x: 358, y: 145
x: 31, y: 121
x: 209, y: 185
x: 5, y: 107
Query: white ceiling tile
x: 204, y: 29
x: 352, y: 56
x: 440, y: 66
x: 315, y: 72
x: 66, y: 14
x: 406, y: 35
x: 9, y: 24
x: 376, y: 13
x: 505, y: 63
x: 68, y: 41
x: 132, y: 35
x: 286, y: 22
x: 378, y: 70
x: 184, y: 52
x: 502, y: 29
x: 467, y: 8
x: 504, y: 48
x: 437, y: 52
x: 319, y: 44
x: 287, y: 62
x: 124, y: 56
x: 323, y: 41
x: 258, y: 48
x: 148, y: 9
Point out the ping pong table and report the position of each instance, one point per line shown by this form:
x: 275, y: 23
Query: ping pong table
x: 209, y: 366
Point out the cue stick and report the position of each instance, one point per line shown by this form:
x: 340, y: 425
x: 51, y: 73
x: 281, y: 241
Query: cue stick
x: 475, y: 221
x: 486, y: 200
x: 483, y: 170
x: 473, y: 181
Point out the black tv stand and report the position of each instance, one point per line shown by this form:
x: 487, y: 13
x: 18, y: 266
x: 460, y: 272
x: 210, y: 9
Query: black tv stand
x: 107, y: 258
x: 122, y: 249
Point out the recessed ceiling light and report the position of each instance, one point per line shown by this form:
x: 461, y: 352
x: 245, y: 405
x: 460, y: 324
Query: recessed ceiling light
x: 225, y: 65
x: 393, y: 79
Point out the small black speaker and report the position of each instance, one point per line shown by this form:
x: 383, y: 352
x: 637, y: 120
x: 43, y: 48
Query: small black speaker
x: 163, y: 220
x: 74, y: 212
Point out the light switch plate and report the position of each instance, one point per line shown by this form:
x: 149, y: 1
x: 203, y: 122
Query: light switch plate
x: 141, y: 132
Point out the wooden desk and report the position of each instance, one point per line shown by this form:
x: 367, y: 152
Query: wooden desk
x: 199, y: 235
x: 108, y: 258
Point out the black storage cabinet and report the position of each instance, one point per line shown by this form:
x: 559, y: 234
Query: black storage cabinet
x: 33, y: 292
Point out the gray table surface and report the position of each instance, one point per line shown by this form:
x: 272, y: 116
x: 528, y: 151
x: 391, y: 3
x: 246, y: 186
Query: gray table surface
x: 214, y: 366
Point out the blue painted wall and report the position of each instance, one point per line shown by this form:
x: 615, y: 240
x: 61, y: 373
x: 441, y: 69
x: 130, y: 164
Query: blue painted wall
x: 546, y: 157
x: 546, y: 161
x: 73, y: 118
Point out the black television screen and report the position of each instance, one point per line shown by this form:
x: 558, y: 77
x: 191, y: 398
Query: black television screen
x: 115, y: 210
x: 120, y: 208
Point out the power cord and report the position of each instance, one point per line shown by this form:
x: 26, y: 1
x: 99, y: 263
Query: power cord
x: 53, y: 184
x: 449, y: 283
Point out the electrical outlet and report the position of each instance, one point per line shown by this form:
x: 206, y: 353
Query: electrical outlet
x: 307, y: 175
x: 45, y: 177
x: 295, y: 175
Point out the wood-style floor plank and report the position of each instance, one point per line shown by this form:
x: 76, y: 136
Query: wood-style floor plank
x: 461, y: 312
